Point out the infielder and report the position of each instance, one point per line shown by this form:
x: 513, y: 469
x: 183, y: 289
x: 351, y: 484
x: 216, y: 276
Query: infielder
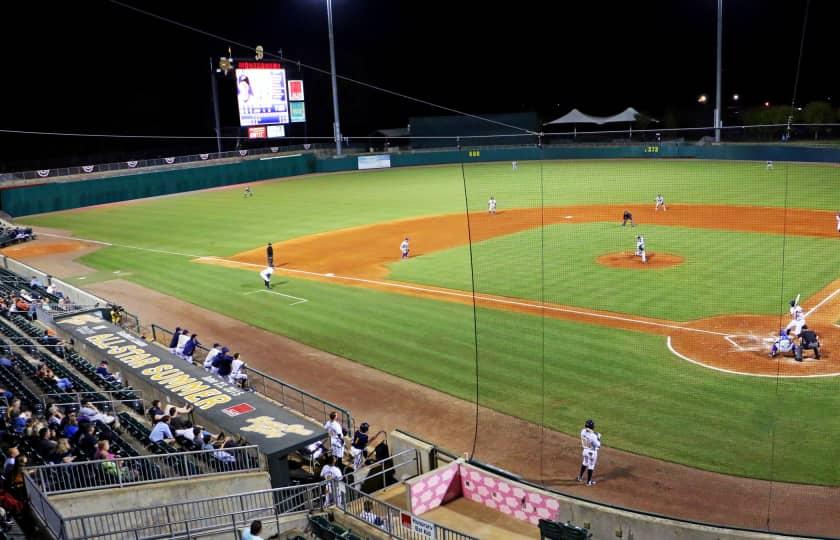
x: 837, y: 217
x: 266, y: 276
x: 660, y: 203
x: 640, y: 248
x: 590, y: 440
x: 627, y: 216
x: 336, y: 437
x: 491, y: 209
x: 404, y: 249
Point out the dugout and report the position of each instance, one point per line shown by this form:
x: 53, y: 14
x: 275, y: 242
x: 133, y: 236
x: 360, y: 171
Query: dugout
x: 218, y: 406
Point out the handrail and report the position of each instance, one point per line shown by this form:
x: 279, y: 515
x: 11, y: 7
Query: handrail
x: 136, y: 470
x: 286, y: 393
x: 410, y: 455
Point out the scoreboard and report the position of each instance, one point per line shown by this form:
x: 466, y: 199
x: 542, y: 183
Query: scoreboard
x: 267, y: 98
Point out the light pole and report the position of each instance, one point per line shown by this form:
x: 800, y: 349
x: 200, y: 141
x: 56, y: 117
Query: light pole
x: 336, y: 124
x: 718, y: 83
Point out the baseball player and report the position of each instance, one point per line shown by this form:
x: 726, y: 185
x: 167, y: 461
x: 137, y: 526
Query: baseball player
x: 491, y: 209
x: 266, y: 276
x: 797, y: 317
x: 783, y: 344
x: 514, y: 165
x: 627, y: 216
x: 269, y: 254
x: 404, y: 248
x: 336, y: 437
x: 660, y: 203
x: 769, y: 165
x: 590, y: 440
x: 837, y: 217
x: 640, y: 248
x: 248, y: 192
x: 331, y: 472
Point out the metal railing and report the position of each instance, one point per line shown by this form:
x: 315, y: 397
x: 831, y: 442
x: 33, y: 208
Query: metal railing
x: 44, y: 510
x: 381, y: 474
x: 63, y: 399
x: 273, y: 388
x: 121, y: 472
x: 194, y: 519
x: 389, y: 518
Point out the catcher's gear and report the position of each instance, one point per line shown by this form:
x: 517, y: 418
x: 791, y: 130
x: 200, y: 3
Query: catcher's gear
x: 590, y: 424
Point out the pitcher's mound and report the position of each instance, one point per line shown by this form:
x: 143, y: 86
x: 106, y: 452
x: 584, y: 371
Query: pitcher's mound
x: 628, y: 260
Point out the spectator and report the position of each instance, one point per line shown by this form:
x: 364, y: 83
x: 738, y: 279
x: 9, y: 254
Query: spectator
x: 13, y: 411
x: 94, y: 414
x: 61, y: 453
x: 214, y: 352
x: 44, y: 372
x: 34, y: 283
x: 161, y: 431
x: 3, y: 392
x: 103, y: 372
x: 55, y: 417
x: 103, y: 450
x: 46, y: 441
x: 88, y: 442
x: 51, y: 289
x: 71, y: 425
x: 173, y: 343
x: 368, y: 515
x: 189, y: 348
x: 155, y: 412
x: 253, y: 532
x: 190, y: 437
x: 11, y: 458
x: 14, y: 480
x: 177, y: 421
x: 5, y: 362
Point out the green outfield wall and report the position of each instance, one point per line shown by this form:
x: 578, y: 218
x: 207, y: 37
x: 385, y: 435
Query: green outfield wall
x: 53, y: 196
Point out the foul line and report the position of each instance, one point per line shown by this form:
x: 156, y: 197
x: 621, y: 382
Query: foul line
x: 444, y: 292
x: 763, y: 375
x: 824, y: 300
x: 108, y: 244
x: 299, y: 300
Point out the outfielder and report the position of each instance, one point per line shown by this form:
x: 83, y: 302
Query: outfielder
x: 248, y: 192
x: 769, y: 165
x: 404, y: 249
x: 590, y: 440
x: 640, y: 248
x: 266, y: 276
x: 491, y: 207
x: 660, y: 203
x: 514, y: 165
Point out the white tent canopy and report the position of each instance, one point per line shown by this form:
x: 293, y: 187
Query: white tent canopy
x: 576, y: 117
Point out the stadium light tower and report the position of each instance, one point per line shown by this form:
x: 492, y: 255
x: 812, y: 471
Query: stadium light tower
x: 718, y: 120
x: 336, y: 124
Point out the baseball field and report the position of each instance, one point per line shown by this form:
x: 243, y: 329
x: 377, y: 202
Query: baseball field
x: 670, y: 356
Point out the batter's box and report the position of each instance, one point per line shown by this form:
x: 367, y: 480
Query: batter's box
x: 748, y: 342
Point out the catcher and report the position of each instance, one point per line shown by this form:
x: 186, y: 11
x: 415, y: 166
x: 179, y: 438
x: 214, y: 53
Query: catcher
x: 785, y: 344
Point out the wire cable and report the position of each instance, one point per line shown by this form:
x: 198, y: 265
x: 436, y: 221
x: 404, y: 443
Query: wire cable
x: 319, y: 70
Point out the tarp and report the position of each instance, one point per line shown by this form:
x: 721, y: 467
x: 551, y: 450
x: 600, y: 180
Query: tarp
x: 258, y: 420
x: 576, y: 117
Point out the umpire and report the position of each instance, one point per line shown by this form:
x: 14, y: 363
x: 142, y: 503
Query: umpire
x: 808, y: 339
x: 269, y: 254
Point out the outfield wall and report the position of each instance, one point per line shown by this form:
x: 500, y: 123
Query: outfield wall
x: 51, y: 197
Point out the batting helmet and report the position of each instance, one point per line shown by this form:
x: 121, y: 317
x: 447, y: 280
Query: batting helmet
x: 792, y: 303
x: 590, y: 424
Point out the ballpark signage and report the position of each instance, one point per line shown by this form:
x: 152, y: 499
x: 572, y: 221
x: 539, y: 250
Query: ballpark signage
x: 229, y: 407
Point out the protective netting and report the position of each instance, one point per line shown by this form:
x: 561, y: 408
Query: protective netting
x: 668, y: 355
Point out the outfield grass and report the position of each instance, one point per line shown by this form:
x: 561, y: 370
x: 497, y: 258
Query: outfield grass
x: 723, y: 272
x: 645, y: 399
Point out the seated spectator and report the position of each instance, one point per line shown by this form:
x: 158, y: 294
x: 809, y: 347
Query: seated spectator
x: 51, y: 289
x: 87, y: 444
x: 190, y: 437
x: 61, y: 453
x: 179, y: 419
x: 13, y: 411
x: 238, y: 376
x: 155, y: 413
x: 214, y: 352
x: 34, y: 283
x: 14, y: 483
x: 161, y: 431
x: 95, y: 415
x: 54, y: 416
x: 54, y: 344
x: 70, y: 425
x: 3, y: 392
x: 103, y: 372
x: 103, y: 450
x: 11, y: 456
x: 46, y: 442
x: 5, y: 362
x: 173, y: 343
x: 189, y: 348
x: 44, y: 372
x: 368, y: 515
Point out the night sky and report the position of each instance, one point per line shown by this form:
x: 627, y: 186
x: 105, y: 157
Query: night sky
x: 94, y: 66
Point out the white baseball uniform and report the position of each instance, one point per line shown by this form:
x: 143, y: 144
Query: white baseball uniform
x: 591, y: 443
x: 404, y: 248
x: 266, y: 275
x: 797, y: 319
x: 769, y: 164
x: 660, y: 202
x: 336, y: 438
x: 514, y: 165
x: 837, y: 217
x: 491, y: 206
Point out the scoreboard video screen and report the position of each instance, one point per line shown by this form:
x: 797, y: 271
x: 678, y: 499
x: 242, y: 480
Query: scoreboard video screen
x: 262, y: 93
